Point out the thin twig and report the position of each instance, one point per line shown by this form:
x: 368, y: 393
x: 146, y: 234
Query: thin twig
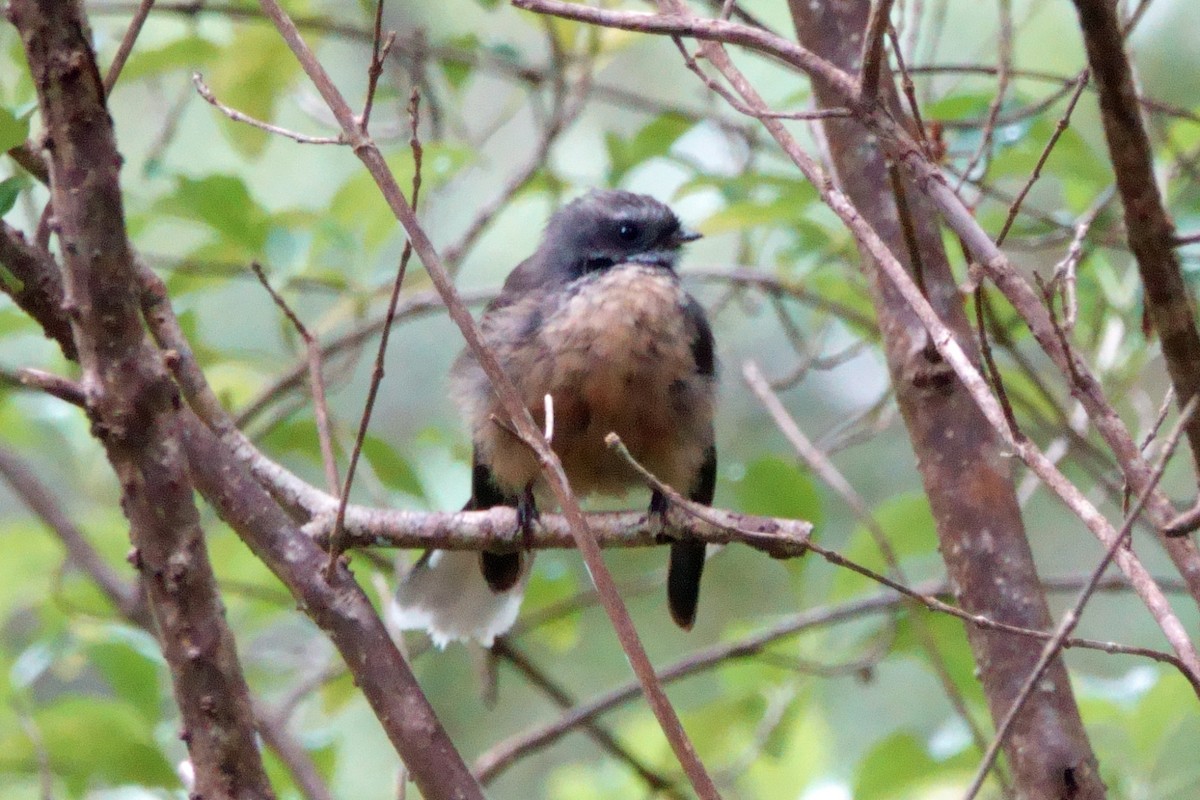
x: 873, y: 50
x: 238, y: 116
x: 1064, y: 271
x: 1003, y: 71
x: 910, y: 95
x: 335, y: 540
x: 740, y: 107
x: 64, y: 389
x: 1059, y: 129
x: 380, y: 47
x: 126, y: 46
x: 312, y: 349
x: 1131, y: 23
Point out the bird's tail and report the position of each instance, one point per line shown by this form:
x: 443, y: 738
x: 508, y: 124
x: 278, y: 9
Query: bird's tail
x: 683, y: 581
x: 446, y: 595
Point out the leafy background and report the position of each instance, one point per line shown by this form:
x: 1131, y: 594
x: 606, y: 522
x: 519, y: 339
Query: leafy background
x: 851, y: 710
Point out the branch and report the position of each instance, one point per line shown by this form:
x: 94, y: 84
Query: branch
x: 338, y: 606
x: 40, y: 292
x: 132, y: 402
x: 873, y: 50
x: 496, y: 529
x: 1169, y: 302
x: 126, y: 46
x: 237, y: 116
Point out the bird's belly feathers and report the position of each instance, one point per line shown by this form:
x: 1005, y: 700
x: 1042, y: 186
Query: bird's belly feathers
x: 615, y: 354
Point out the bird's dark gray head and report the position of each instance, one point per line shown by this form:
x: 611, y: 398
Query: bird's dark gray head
x: 608, y: 227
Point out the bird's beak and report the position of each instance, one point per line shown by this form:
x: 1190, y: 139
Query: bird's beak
x: 687, y: 234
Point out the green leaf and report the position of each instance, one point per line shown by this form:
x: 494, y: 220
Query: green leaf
x: 251, y: 75
x: 91, y: 741
x: 337, y: 693
x: 10, y: 189
x: 960, y: 105
x: 655, y: 139
x: 459, y: 67
x: 952, y: 647
x: 191, y: 53
x: 224, y: 204
x: 130, y: 662
x: 893, y: 768
x: 907, y: 522
x: 804, y: 748
x: 395, y: 472
x: 774, y: 487
x: 295, y: 436
x: 14, y: 127
x: 359, y: 206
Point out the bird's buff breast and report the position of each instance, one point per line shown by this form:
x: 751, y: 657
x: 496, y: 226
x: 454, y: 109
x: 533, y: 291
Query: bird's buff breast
x: 614, y: 351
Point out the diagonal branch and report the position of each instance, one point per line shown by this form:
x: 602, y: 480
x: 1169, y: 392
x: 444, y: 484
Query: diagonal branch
x: 1169, y: 302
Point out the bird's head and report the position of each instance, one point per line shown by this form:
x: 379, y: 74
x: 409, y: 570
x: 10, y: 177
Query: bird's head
x: 609, y: 227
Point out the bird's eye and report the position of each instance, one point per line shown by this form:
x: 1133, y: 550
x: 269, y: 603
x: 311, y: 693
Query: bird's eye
x: 628, y: 231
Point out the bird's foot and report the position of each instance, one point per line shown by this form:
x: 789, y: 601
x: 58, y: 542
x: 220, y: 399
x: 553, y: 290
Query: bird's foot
x: 527, y: 514
x: 656, y: 516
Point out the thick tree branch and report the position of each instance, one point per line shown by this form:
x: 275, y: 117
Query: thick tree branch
x: 40, y: 292
x: 1169, y: 302
x: 338, y: 606
x: 132, y: 401
x: 971, y: 494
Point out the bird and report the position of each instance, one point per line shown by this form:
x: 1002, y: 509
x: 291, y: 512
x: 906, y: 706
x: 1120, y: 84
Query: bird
x: 597, y: 319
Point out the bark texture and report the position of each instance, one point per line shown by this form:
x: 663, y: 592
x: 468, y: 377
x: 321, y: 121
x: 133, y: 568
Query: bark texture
x: 966, y: 477
x: 132, y: 402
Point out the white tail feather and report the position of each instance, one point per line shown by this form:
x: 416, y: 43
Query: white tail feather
x: 446, y: 596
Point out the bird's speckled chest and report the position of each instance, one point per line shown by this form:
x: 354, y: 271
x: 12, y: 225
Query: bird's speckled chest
x: 610, y: 330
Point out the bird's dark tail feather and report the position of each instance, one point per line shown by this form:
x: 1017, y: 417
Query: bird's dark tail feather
x: 501, y: 570
x: 683, y: 582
